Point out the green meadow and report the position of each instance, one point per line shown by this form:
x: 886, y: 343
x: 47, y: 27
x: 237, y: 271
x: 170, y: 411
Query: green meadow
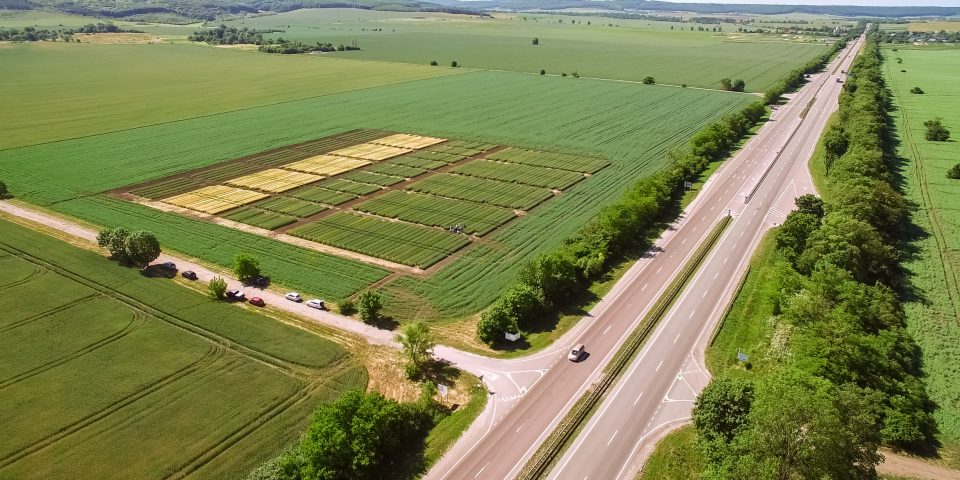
x: 604, y: 48
x: 631, y: 125
x: 107, y: 373
x: 934, y: 265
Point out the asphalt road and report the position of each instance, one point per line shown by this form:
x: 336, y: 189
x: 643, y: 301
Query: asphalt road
x: 611, y: 439
x: 660, y: 386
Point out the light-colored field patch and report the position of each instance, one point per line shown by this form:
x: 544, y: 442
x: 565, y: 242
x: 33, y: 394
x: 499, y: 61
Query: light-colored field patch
x: 275, y: 180
x: 326, y: 165
x: 371, y: 151
x: 405, y: 140
x: 215, y: 199
x: 117, y: 38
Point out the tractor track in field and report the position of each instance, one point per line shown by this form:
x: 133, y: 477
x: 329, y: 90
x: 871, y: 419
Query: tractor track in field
x: 37, y: 271
x: 946, y: 259
x: 138, y: 319
x: 276, y: 409
x: 214, y: 353
x: 285, y: 366
x: 46, y: 313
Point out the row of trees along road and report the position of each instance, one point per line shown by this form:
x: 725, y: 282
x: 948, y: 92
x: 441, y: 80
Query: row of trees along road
x: 553, y: 280
x: 848, y: 381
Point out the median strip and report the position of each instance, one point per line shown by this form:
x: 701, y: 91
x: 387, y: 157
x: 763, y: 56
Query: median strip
x: 558, y: 441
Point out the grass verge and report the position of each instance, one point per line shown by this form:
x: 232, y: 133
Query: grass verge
x: 676, y: 457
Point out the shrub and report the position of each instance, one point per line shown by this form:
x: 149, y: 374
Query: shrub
x: 369, y: 305
x: 916, y: 90
x: 4, y: 193
x: 217, y: 288
x: 648, y: 80
x: 433, y: 63
x: 543, y: 72
x: 536, y: 41
x: 454, y: 64
x: 936, y: 132
x: 954, y: 172
x: 347, y: 307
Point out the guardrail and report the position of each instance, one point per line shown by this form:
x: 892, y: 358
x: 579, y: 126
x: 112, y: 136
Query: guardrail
x: 556, y: 443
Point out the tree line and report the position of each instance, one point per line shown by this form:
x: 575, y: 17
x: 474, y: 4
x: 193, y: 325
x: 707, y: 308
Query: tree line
x: 224, y: 35
x: 552, y: 280
x: 794, y: 78
x: 849, y: 380
x: 32, y: 34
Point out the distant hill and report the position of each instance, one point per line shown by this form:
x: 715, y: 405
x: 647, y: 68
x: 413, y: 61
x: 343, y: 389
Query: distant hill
x: 714, y: 8
x: 193, y: 10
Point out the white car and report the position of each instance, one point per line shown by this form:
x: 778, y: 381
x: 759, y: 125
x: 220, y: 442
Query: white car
x: 293, y: 297
x: 316, y: 303
x: 576, y: 353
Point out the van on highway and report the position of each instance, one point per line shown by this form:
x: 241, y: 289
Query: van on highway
x: 576, y: 353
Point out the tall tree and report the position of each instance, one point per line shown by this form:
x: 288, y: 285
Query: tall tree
x: 246, y: 266
x: 142, y: 247
x: 115, y: 241
x: 369, y: 305
x: 418, y: 343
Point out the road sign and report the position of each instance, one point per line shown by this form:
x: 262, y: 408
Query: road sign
x: 442, y: 389
x: 743, y: 357
x: 513, y: 337
x: 687, y: 185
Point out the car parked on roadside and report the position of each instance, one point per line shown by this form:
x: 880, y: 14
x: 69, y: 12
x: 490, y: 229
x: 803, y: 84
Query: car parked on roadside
x: 259, y: 282
x: 188, y: 274
x: 257, y: 301
x: 236, y: 295
x: 169, y: 265
x: 316, y: 303
x: 293, y: 297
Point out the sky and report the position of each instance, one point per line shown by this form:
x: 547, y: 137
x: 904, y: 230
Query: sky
x: 871, y: 3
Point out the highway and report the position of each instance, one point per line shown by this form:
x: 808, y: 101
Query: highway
x: 609, y: 445
x: 659, y: 388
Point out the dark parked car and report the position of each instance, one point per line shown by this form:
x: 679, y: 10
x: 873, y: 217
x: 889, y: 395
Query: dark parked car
x: 188, y: 274
x: 169, y: 265
x: 259, y: 282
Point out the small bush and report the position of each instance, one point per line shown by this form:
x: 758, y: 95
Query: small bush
x: 217, y: 288
x: 648, y: 81
x: 563, y: 74
x: 433, y: 63
x: 936, y: 132
x: 536, y: 41
x: 347, y: 307
x: 954, y: 172
x: 916, y: 90
x: 454, y: 64
x: 4, y: 193
x: 543, y: 72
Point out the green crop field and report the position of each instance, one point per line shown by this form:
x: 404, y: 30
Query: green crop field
x: 628, y: 126
x: 556, y: 160
x: 606, y: 48
x: 481, y: 190
x: 321, y: 195
x: 518, y: 173
x: 150, y: 88
x: 935, y: 266
x: 291, y: 206
x: 476, y: 218
x: 260, y: 218
x: 101, y: 364
x: 371, y: 178
x: 398, y: 242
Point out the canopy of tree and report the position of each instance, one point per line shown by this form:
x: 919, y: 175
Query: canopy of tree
x: 31, y: 34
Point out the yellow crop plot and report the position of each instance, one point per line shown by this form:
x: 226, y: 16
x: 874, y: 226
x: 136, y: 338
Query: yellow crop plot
x: 274, y: 180
x: 326, y: 165
x: 371, y: 151
x: 215, y: 198
x: 406, y: 140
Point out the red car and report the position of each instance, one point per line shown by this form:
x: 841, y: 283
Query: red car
x: 257, y: 301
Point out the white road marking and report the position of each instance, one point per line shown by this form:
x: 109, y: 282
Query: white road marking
x: 612, y: 437
x: 481, y: 469
x: 683, y: 241
x: 658, y: 366
x: 605, y: 330
x: 704, y: 293
x: 715, y: 275
x: 518, y: 428
x: 725, y: 260
x: 638, y: 399
x: 644, y: 287
x: 658, y: 270
x: 675, y: 339
x: 691, y: 314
